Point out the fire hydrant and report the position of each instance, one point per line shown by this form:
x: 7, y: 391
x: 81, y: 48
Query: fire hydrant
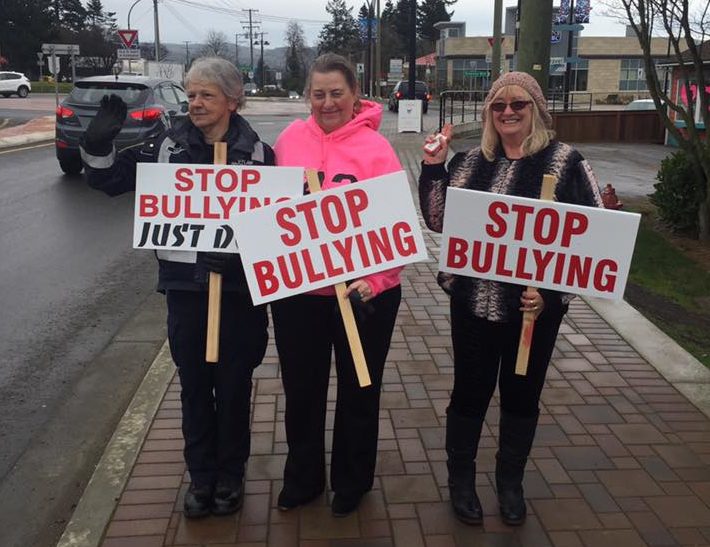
x: 609, y: 198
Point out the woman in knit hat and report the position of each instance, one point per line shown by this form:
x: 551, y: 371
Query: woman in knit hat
x: 517, y: 149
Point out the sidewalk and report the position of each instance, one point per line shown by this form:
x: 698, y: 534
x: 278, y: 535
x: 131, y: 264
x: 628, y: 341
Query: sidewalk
x: 621, y: 458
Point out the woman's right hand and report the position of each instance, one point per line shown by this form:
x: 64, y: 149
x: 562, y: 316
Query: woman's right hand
x: 443, y: 138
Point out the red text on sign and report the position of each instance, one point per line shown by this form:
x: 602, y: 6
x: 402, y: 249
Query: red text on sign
x: 548, y: 224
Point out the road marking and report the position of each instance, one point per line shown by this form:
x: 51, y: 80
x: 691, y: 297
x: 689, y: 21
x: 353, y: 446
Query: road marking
x: 26, y: 148
x: 265, y: 123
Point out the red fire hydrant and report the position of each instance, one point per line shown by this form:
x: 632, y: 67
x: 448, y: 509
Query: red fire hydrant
x: 609, y: 198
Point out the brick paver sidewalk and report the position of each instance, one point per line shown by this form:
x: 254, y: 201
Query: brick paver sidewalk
x: 621, y: 458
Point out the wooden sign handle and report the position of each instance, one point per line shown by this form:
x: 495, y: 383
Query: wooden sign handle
x: 547, y: 193
x: 346, y: 309
x: 214, y: 303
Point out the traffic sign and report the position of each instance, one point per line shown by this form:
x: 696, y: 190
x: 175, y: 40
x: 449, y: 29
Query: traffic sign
x: 476, y: 73
x: 360, y: 68
x: 53, y: 64
x: 125, y: 53
x: 127, y: 36
x: 60, y: 49
x: 40, y: 55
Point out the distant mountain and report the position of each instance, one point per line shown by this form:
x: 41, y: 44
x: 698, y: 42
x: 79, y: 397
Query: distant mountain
x: 275, y: 58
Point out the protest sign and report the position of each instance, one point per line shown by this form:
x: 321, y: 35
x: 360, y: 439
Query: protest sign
x: 552, y: 245
x: 187, y: 207
x: 329, y: 237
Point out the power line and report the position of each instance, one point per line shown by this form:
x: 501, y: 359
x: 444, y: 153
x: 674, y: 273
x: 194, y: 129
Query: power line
x: 236, y: 13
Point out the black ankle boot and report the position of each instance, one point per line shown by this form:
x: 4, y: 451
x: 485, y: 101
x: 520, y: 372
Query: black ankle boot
x: 198, y: 500
x: 516, y: 438
x: 462, y: 436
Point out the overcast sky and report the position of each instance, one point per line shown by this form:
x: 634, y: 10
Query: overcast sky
x: 180, y: 21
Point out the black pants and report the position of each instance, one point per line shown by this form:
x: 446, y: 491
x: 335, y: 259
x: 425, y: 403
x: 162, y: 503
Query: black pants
x: 307, y: 328
x: 485, y: 351
x: 216, y: 397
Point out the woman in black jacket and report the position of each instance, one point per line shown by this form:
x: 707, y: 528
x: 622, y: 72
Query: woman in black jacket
x: 215, y: 398
x: 517, y: 149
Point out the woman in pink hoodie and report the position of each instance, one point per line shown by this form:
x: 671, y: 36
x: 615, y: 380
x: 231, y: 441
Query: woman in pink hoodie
x: 340, y: 141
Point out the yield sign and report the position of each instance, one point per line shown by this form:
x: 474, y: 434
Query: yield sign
x: 127, y: 36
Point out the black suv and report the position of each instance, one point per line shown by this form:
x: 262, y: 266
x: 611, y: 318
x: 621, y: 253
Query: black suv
x: 154, y: 104
x: 401, y: 91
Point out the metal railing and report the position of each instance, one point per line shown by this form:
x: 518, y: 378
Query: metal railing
x: 460, y: 106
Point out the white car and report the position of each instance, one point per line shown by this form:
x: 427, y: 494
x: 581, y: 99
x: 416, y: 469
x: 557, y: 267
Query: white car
x: 14, y: 83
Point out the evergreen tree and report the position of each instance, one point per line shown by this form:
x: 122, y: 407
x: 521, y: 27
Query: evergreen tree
x: 295, y: 77
x: 99, y: 40
x: 428, y: 13
x: 392, y: 45
x: 24, y: 26
x: 68, y: 18
x: 341, y: 35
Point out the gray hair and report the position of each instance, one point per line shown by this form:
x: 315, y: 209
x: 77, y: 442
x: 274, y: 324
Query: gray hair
x: 220, y: 72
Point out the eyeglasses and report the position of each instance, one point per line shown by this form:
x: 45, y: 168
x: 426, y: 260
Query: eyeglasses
x: 516, y: 106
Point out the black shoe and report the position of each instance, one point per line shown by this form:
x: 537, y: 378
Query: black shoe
x: 289, y: 500
x: 512, y: 507
x: 228, y: 496
x: 465, y: 502
x: 343, y: 505
x: 198, y: 500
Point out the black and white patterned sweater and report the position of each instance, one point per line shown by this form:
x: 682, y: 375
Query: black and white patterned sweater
x: 576, y: 183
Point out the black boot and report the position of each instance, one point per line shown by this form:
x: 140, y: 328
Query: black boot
x: 516, y: 438
x: 462, y: 436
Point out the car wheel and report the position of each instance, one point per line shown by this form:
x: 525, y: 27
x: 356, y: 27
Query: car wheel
x: 71, y: 166
x: 23, y: 92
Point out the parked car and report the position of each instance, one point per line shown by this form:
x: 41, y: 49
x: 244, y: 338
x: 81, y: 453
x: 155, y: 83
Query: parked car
x: 641, y: 104
x: 401, y: 91
x: 14, y: 83
x: 154, y: 104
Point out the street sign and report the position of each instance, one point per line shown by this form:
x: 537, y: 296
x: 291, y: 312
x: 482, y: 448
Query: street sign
x: 360, y: 68
x: 476, y: 73
x: 573, y: 60
x: 60, y: 49
x: 128, y: 54
x: 40, y: 55
x: 396, y: 65
x: 53, y: 64
x: 127, y: 37
x: 278, y: 76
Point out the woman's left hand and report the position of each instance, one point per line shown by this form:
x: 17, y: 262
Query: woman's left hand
x: 362, y: 287
x: 531, y: 301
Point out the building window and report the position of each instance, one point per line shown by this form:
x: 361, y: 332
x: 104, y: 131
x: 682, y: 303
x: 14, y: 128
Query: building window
x: 580, y: 72
x: 632, y: 76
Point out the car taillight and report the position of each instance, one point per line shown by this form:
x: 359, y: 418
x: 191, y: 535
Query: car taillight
x: 147, y: 114
x: 64, y: 112
x: 428, y: 96
x: 398, y: 94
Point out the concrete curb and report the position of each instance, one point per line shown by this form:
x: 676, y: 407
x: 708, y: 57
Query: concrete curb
x: 680, y: 368
x: 98, y: 502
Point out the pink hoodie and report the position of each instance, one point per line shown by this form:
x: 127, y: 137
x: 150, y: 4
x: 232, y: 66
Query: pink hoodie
x: 351, y: 153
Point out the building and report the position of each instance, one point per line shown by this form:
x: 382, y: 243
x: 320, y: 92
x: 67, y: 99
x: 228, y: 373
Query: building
x: 603, y: 69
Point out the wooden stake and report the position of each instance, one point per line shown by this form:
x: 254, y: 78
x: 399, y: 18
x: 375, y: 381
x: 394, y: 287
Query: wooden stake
x: 214, y: 304
x: 346, y: 309
x: 547, y: 193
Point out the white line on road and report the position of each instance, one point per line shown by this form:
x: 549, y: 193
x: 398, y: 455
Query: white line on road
x: 26, y: 148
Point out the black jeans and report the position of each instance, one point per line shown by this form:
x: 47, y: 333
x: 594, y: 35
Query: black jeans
x: 485, y: 351
x: 216, y: 397
x: 307, y: 328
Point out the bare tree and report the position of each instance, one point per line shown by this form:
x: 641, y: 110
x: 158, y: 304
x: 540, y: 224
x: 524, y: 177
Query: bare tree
x: 216, y: 45
x: 686, y: 27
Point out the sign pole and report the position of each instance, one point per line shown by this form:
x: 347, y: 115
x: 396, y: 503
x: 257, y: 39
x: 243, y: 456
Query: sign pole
x: 214, y: 303
x: 346, y: 309
x: 547, y: 193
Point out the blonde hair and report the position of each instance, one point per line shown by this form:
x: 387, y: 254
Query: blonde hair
x: 538, y: 139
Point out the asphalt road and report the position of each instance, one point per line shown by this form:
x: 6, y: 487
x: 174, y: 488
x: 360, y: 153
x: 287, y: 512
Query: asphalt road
x: 69, y: 284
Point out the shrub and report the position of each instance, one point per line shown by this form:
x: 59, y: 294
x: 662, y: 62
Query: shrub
x: 677, y: 194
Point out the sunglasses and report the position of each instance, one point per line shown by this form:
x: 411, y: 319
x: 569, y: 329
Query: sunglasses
x: 516, y: 106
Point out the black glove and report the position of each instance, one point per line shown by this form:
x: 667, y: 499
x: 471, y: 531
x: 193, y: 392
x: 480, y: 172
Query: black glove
x: 221, y: 263
x: 104, y: 127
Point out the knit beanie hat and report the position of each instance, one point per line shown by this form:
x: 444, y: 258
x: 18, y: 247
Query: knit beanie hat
x: 529, y: 84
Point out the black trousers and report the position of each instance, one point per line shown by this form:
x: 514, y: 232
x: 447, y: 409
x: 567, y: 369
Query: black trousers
x: 216, y: 397
x: 485, y: 351
x: 307, y: 328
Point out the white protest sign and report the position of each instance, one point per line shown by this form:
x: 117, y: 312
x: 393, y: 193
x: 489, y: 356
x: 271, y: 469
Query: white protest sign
x: 569, y: 248
x: 329, y: 237
x: 189, y: 207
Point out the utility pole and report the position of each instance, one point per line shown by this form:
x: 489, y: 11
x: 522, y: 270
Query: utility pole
x: 412, y: 48
x: 236, y: 50
x: 368, y: 58
x: 157, y: 33
x: 534, y: 42
x: 251, y: 26
x: 378, y: 54
x: 496, y: 54
x: 187, y: 54
x: 568, y: 65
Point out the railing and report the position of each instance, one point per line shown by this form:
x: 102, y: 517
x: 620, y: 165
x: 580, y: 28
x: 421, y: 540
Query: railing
x: 458, y: 106
x: 556, y: 101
